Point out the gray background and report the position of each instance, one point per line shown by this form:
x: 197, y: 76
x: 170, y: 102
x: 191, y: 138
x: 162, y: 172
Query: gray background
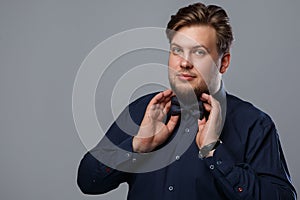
x: 42, y: 44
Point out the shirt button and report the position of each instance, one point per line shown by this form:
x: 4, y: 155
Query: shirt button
x: 219, y: 162
x: 133, y: 160
x: 187, y: 130
x: 127, y: 155
x: 211, y: 167
x: 171, y: 188
x: 177, y: 157
x: 240, y: 189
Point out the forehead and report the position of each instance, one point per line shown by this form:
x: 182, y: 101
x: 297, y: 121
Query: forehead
x: 190, y: 36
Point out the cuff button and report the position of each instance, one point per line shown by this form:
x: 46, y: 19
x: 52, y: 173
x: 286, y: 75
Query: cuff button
x: 240, y: 189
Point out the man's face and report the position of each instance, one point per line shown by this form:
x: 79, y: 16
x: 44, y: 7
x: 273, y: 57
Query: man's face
x: 194, y: 61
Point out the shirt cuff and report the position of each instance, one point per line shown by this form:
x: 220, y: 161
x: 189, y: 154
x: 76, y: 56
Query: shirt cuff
x: 222, y: 161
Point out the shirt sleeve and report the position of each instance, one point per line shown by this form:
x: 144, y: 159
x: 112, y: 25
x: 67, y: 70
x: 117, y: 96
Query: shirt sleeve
x: 262, y: 175
x: 98, y: 170
x: 94, y: 177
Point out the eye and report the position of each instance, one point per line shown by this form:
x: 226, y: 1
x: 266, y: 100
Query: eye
x: 199, y: 52
x: 176, y: 50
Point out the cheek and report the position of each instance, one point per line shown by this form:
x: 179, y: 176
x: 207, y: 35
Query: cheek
x: 206, y: 66
x: 173, y: 61
x: 202, y: 68
x: 207, y: 71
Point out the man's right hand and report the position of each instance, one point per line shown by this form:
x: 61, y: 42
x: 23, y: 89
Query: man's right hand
x: 153, y: 131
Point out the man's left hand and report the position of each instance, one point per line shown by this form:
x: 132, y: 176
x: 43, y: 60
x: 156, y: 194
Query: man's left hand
x: 209, y: 129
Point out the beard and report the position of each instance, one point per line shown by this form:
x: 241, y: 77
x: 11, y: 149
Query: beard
x: 186, y: 92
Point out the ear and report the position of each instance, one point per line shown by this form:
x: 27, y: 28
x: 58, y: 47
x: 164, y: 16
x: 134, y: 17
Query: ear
x: 225, y: 61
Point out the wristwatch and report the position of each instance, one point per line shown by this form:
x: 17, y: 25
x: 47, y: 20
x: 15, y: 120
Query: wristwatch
x: 204, y: 151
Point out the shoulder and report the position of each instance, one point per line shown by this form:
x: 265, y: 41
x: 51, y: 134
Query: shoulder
x: 140, y: 104
x: 246, y: 123
x: 142, y: 101
x: 245, y: 112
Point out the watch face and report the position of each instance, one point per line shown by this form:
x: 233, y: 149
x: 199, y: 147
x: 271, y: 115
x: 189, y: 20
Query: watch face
x: 204, y: 151
x: 202, y: 154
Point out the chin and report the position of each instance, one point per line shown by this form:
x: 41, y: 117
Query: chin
x: 185, y: 92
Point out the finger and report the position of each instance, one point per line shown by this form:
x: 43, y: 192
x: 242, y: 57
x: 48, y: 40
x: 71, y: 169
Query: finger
x: 201, y: 122
x: 204, y: 97
x: 167, y: 95
x: 166, y: 101
x: 168, y: 98
x: 157, y: 98
x: 214, y: 102
x: 167, y: 107
x: 209, y: 99
x: 207, y: 107
x: 168, y: 131
x: 162, y: 95
x: 172, y: 123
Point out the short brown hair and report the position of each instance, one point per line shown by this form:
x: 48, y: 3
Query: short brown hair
x: 199, y: 14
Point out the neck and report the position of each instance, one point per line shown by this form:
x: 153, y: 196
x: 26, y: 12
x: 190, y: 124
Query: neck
x: 216, y: 87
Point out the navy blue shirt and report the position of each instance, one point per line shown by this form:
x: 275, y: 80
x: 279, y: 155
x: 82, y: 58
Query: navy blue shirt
x: 248, y: 164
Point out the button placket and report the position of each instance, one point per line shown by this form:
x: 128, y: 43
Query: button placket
x: 128, y: 155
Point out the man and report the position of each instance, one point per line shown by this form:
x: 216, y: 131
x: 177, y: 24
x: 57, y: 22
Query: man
x: 227, y: 150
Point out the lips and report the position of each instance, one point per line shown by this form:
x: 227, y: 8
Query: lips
x: 186, y: 76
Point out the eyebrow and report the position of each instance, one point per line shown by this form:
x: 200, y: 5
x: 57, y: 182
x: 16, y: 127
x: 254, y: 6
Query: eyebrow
x: 194, y: 47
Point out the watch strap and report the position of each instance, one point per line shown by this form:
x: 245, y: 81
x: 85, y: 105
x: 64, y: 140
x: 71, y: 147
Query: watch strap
x: 204, y: 151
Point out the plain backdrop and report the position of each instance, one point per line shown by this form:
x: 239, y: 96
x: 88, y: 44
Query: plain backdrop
x: 43, y: 43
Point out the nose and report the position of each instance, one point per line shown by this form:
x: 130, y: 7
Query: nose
x: 185, y: 63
